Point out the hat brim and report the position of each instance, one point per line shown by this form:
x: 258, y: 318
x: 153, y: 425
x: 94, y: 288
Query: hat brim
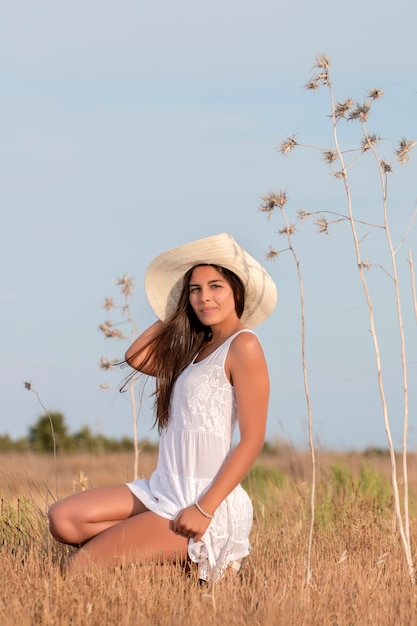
x: 164, y: 276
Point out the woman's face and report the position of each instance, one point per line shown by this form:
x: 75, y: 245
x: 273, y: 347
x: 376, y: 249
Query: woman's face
x: 211, y: 296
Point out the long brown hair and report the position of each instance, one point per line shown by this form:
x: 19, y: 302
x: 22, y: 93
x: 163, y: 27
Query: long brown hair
x: 181, y: 339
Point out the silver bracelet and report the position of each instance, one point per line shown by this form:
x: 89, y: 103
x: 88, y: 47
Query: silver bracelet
x: 203, y: 512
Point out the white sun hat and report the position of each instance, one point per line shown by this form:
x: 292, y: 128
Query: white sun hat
x: 164, y: 276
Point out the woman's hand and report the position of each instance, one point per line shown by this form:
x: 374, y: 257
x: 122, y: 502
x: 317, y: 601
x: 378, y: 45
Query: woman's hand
x: 189, y: 522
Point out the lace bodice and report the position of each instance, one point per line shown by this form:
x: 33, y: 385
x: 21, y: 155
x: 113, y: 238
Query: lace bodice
x: 204, y: 398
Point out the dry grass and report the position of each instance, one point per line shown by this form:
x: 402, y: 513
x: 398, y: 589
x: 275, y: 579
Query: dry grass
x: 359, y: 575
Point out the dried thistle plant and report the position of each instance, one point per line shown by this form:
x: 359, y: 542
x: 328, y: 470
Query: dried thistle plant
x: 110, y: 331
x: 350, y: 110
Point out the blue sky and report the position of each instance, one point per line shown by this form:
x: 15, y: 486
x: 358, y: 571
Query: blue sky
x: 128, y: 128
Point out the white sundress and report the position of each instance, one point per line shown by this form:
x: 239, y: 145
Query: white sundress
x: 192, y: 449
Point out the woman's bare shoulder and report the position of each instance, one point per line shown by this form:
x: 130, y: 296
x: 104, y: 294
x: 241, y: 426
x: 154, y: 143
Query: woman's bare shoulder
x: 245, y: 344
x: 246, y: 362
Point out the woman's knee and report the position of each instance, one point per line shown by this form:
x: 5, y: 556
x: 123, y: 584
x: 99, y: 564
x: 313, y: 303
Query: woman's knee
x: 59, y: 522
x: 54, y: 520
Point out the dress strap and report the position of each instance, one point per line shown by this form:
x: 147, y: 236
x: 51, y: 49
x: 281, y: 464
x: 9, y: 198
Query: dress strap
x: 223, y: 350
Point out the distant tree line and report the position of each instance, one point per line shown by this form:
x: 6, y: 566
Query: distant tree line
x: 40, y: 439
x: 52, y: 427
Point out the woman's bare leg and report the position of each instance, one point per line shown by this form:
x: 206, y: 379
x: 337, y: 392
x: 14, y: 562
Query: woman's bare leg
x: 112, y: 525
x: 143, y: 537
x: 80, y: 517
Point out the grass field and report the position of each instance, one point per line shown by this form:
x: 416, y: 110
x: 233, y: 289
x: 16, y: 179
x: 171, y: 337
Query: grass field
x: 359, y: 574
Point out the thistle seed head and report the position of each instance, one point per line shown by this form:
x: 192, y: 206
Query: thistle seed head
x: 271, y: 254
x: 330, y: 156
x: 386, y: 167
x: 272, y: 200
x: 342, y: 108
x: 288, y: 145
x: 322, y: 225
x: 369, y: 141
x: 106, y: 326
x: 303, y: 215
x: 365, y: 265
x: 375, y: 94
x: 360, y: 112
x: 311, y: 85
x: 117, y: 334
x: 322, y: 61
x: 105, y: 364
x: 287, y: 230
x: 108, y: 304
x: 403, y: 151
x: 126, y: 285
x: 109, y: 331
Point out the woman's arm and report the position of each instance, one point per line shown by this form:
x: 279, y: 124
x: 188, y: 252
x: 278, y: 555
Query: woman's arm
x: 247, y: 369
x: 138, y: 355
x: 249, y: 375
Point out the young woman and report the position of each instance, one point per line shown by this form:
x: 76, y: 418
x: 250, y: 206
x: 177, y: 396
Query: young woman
x: 210, y: 374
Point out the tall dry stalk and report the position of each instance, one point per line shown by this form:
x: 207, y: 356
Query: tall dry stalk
x: 29, y: 387
x: 413, y: 283
x: 112, y: 330
x: 351, y: 111
x: 270, y: 202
